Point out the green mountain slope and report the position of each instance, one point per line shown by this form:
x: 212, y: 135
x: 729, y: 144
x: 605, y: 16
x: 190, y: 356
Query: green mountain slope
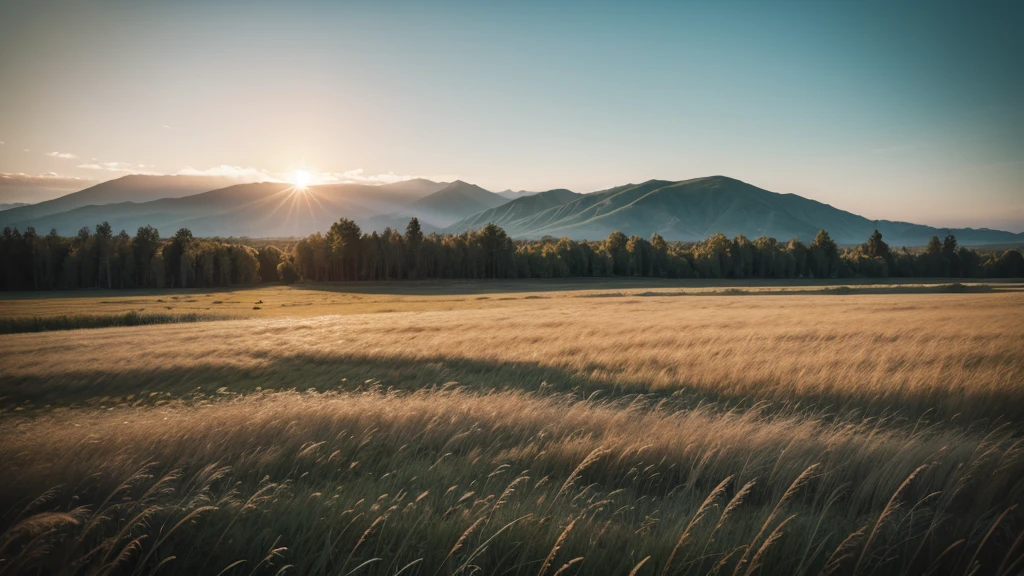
x: 510, y: 214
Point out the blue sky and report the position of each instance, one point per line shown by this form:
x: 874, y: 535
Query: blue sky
x: 897, y: 110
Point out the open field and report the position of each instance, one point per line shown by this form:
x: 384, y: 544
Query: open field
x: 313, y: 299
x: 507, y: 428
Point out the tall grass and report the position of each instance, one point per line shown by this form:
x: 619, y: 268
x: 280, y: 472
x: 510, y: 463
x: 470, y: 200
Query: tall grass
x: 936, y: 357
x: 654, y: 435
x: 446, y: 481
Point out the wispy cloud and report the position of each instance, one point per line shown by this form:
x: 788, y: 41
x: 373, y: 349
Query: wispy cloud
x: 113, y: 167
x: 46, y: 180
x: 66, y: 155
x: 246, y: 173
x: 359, y: 176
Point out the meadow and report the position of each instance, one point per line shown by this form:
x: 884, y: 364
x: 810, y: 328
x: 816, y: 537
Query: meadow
x: 541, y: 428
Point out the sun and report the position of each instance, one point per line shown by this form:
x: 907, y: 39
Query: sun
x: 301, y: 179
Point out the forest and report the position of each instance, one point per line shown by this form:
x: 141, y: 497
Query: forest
x: 101, y: 259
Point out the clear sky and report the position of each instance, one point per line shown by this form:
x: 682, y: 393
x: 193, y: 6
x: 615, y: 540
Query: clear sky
x: 899, y: 110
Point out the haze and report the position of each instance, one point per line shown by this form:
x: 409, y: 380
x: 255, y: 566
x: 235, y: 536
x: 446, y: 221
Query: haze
x: 910, y: 112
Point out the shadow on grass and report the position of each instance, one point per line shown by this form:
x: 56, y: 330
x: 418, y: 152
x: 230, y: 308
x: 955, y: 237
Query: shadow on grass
x: 669, y: 287
x: 78, y: 321
x: 698, y: 287
x: 348, y: 373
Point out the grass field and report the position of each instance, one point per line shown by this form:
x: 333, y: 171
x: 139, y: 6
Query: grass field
x: 564, y: 428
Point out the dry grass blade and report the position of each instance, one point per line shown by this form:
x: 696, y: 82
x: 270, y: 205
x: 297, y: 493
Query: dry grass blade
x: 639, y: 565
x: 482, y: 546
x: 1006, y: 566
x: 695, y: 519
x: 558, y: 544
x: 890, y: 507
x: 755, y: 562
x: 595, y: 455
x: 567, y: 565
x: 793, y: 488
x: 970, y: 563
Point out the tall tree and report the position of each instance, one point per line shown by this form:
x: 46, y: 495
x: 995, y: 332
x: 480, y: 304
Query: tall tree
x: 413, y: 243
x: 145, y: 246
x: 105, y: 252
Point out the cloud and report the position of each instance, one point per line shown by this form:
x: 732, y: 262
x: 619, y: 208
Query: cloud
x: 113, y: 167
x: 65, y: 155
x: 47, y: 180
x: 358, y: 176
x: 247, y: 173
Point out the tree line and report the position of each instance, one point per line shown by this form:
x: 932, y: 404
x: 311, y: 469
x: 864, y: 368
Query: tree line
x: 101, y: 259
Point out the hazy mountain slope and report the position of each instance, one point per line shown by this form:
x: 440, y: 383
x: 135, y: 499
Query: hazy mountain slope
x: 223, y: 205
x: 508, y: 215
x: 132, y: 188
x: 12, y: 205
x: 262, y: 209
x: 454, y: 202
x: 695, y: 209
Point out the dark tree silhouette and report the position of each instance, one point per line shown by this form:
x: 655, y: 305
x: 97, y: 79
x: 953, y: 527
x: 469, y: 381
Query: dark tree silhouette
x: 101, y: 259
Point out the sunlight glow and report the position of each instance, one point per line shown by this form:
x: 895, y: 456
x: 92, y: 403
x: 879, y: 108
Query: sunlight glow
x: 301, y: 179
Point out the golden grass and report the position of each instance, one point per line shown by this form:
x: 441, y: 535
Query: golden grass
x: 313, y: 299
x: 630, y: 430
x: 936, y: 355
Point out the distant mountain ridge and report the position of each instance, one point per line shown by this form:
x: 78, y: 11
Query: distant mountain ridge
x: 692, y: 210
x: 687, y: 210
x: 454, y: 202
x: 131, y: 188
x: 260, y: 209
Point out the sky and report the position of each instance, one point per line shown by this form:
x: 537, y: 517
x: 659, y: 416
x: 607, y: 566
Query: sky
x: 893, y: 110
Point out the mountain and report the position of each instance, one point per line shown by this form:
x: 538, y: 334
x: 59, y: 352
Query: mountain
x: 132, y: 188
x: 454, y: 202
x: 266, y: 209
x: 418, y: 187
x: 515, y: 194
x: 508, y: 215
x: 694, y: 209
x: 687, y: 210
x: 12, y: 205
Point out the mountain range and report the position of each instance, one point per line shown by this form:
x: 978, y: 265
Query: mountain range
x: 687, y: 210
